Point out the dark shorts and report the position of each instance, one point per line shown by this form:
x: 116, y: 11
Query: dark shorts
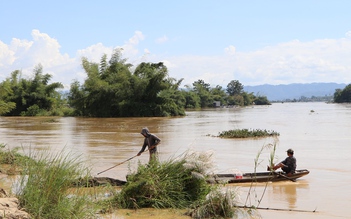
x: 287, y: 169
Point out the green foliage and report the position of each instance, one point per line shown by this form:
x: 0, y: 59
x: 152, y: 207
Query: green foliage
x: 192, y: 100
x: 112, y: 90
x: 234, y: 87
x: 44, y: 188
x: 14, y: 159
x: 261, y: 100
x: 218, y: 94
x: 218, y: 204
x: 6, y: 107
x: 5, y: 104
x: 343, y: 95
x: 29, y: 97
x: 203, y: 91
x: 246, y: 133
x: 248, y: 98
x: 176, y: 183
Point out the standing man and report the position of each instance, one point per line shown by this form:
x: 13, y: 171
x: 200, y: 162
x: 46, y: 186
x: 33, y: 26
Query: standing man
x: 288, y: 165
x: 151, y: 141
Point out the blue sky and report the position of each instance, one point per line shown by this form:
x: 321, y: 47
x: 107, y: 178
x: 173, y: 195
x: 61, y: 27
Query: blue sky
x: 255, y: 42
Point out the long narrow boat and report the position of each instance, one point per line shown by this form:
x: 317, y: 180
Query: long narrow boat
x: 257, y: 177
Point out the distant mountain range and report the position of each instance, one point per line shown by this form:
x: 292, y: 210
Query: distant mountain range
x: 294, y: 91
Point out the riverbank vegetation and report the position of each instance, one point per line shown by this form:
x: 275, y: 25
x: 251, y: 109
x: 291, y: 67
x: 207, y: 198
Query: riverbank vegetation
x: 44, y: 188
x: 32, y: 97
x: 178, y: 183
x: 343, y: 95
x: 46, y: 191
x: 115, y: 88
x: 12, y: 162
x: 247, y: 133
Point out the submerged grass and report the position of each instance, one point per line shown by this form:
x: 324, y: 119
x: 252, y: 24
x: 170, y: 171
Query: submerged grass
x: 13, y: 160
x: 43, y: 191
x: 247, y: 133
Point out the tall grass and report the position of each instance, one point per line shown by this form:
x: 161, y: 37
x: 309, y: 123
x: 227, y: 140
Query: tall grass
x: 218, y: 204
x: 272, y: 147
x: 178, y: 183
x: 43, y: 191
x: 175, y: 183
x: 13, y: 160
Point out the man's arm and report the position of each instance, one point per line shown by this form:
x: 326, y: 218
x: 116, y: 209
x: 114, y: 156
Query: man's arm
x: 143, y: 147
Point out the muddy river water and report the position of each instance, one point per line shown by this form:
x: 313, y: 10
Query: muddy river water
x: 319, y: 133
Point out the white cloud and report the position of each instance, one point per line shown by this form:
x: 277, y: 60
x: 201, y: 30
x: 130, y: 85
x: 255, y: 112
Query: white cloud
x: 325, y: 60
x: 94, y: 52
x: 130, y: 47
x: 348, y: 34
x: 162, y: 40
x: 25, y: 55
x: 230, y: 50
x: 6, y: 55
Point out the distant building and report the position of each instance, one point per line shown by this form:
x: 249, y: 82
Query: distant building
x: 216, y: 103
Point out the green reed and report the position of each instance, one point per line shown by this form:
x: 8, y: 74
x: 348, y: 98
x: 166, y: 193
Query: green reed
x: 43, y: 191
x: 178, y: 183
x: 218, y: 204
x: 175, y: 183
x: 12, y: 159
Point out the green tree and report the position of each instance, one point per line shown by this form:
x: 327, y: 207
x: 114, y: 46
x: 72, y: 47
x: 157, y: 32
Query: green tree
x: 234, y: 87
x: 29, y: 94
x: 5, y: 92
x: 157, y: 94
x: 261, y: 100
x: 105, y: 89
x: 248, y: 98
x: 202, y: 89
x: 343, y: 96
x: 192, y: 100
x: 218, y: 94
x: 112, y: 90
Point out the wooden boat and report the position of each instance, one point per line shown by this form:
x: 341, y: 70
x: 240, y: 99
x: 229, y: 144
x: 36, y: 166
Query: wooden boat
x: 215, y: 179
x: 257, y: 177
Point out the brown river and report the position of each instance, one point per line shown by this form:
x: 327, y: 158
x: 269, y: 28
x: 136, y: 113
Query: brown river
x: 319, y: 133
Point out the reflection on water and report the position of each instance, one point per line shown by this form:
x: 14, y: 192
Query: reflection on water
x: 290, y: 194
x: 318, y: 132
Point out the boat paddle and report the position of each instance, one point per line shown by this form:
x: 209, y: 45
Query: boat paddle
x: 282, y: 175
x: 125, y: 160
x: 117, y: 165
x: 286, y: 177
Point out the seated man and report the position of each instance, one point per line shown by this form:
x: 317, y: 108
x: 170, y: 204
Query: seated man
x: 288, y: 165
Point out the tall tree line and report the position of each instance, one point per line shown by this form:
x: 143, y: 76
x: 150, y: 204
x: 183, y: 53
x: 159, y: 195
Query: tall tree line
x: 114, y: 88
x: 343, y: 95
x: 29, y: 97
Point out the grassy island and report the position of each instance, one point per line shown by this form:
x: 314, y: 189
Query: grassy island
x: 247, y: 133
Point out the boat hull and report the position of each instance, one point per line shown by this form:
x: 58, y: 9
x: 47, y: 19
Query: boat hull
x: 257, y: 177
